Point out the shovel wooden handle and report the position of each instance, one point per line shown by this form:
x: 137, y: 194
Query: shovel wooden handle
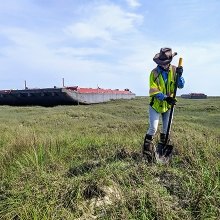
x: 180, y: 61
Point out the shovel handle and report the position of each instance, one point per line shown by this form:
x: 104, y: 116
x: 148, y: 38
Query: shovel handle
x: 172, y: 107
x: 180, y: 62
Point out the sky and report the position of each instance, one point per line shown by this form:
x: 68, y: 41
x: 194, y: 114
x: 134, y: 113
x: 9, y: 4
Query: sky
x: 110, y: 44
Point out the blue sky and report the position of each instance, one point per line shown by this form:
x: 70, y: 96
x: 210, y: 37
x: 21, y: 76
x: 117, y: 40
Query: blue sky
x: 107, y: 43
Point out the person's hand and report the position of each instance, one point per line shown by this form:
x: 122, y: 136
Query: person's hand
x: 170, y: 100
x: 179, y: 70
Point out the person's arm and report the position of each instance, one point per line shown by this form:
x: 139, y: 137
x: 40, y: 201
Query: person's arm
x: 180, y: 81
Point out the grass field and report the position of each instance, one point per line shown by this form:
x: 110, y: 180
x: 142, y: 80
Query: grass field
x: 84, y: 162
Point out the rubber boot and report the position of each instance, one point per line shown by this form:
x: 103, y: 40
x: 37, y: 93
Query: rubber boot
x: 148, y: 148
x: 162, y: 138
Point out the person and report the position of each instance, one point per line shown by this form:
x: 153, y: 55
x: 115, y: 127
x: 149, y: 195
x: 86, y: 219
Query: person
x: 162, y: 84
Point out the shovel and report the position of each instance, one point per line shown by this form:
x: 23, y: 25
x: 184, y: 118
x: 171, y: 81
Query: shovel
x: 164, y: 150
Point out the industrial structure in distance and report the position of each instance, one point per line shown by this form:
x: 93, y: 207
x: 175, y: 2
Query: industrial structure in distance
x: 194, y: 96
x: 61, y: 96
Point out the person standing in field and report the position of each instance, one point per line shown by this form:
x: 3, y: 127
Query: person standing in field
x: 162, y: 84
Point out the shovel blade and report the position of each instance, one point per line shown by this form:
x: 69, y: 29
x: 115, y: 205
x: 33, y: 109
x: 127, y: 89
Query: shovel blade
x: 168, y: 149
x: 163, y: 152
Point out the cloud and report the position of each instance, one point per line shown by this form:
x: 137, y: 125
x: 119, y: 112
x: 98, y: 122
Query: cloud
x: 201, y: 64
x: 133, y: 3
x: 104, y: 22
x: 30, y: 57
x: 80, y: 51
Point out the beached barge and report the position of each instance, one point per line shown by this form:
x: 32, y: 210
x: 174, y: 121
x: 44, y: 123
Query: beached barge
x: 194, y: 96
x: 61, y: 96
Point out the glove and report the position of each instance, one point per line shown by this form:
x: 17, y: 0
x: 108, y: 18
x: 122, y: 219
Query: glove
x: 160, y: 96
x: 170, y: 100
x: 179, y: 70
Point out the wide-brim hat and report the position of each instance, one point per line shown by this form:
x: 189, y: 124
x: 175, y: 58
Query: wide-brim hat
x: 165, y: 56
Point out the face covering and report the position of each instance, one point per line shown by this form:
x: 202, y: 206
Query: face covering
x: 165, y: 67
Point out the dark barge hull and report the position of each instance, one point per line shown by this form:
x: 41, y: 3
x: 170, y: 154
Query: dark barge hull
x: 194, y: 96
x: 61, y: 96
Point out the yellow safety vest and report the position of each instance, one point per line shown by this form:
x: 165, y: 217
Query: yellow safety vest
x: 158, y: 85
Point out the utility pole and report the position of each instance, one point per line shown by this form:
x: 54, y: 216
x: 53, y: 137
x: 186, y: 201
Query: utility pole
x: 25, y: 84
x: 63, y: 83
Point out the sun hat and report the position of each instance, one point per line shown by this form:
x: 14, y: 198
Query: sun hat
x: 165, y: 56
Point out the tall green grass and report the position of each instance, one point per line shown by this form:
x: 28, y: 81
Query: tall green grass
x: 84, y: 162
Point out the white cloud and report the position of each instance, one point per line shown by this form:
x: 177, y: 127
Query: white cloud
x: 201, y: 65
x: 105, y: 22
x: 80, y: 51
x: 85, y: 31
x: 29, y: 57
x: 133, y: 3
